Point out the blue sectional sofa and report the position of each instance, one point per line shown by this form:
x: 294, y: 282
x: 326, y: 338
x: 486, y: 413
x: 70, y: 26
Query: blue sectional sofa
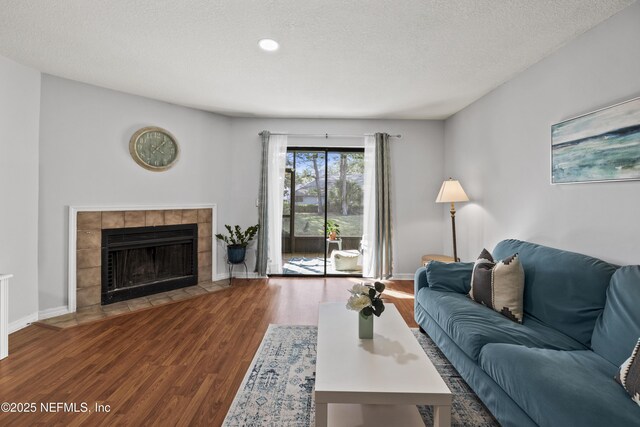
x: 582, y: 320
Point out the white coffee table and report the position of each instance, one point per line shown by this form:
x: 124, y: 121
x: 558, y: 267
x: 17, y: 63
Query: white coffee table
x: 377, y: 381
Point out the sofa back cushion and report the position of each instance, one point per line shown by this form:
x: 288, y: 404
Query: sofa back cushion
x: 618, y: 327
x: 450, y: 277
x: 564, y: 290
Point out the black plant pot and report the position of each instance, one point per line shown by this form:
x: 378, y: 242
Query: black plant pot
x: 236, y: 253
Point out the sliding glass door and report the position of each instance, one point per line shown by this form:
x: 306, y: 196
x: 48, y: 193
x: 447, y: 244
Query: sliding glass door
x: 344, y: 211
x: 322, y: 215
x: 304, y: 213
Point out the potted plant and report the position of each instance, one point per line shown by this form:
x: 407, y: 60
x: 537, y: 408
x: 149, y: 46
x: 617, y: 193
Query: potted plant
x: 237, y: 242
x: 333, y: 229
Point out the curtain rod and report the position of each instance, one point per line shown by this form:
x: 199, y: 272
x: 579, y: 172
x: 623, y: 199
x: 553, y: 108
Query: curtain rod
x: 326, y: 135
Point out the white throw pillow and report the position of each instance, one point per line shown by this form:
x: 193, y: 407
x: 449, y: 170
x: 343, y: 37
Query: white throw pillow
x: 629, y: 374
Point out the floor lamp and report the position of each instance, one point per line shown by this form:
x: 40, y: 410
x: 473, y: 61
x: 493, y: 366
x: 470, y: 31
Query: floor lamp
x: 451, y: 192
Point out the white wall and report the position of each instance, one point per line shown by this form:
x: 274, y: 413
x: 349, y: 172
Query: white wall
x: 19, y: 130
x: 85, y: 160
x: 499, y: 147
x: 417, y: 171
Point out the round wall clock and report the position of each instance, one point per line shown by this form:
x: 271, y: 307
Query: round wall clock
x: 154, y: 148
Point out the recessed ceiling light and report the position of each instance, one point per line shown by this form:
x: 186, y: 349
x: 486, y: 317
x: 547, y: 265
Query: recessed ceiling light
x: 269, y: 45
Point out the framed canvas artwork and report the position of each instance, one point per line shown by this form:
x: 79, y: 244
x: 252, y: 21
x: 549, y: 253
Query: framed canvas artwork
x: 596, y: 147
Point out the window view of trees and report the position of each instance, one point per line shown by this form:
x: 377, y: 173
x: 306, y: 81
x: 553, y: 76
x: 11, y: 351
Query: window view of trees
x: 345, y: 172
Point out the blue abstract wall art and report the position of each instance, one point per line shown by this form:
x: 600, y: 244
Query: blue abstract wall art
x: 600, y: 146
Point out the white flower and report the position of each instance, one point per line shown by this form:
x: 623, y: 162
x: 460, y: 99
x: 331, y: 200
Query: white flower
x: 359, y: 288
x: 358, y: 302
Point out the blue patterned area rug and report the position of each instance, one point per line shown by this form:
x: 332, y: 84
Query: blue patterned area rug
x: 278, y: 387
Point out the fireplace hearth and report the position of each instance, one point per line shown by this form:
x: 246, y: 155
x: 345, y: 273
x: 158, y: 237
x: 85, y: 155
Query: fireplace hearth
x: 147, y: 260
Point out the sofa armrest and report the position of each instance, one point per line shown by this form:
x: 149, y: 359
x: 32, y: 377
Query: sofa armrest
x: 420, y: 280
x: 449, y: 277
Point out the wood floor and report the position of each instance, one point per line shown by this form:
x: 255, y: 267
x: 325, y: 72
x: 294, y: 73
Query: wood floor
x: 179, y: 364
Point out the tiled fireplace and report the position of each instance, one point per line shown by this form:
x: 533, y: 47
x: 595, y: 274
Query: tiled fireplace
x: 89, y: 232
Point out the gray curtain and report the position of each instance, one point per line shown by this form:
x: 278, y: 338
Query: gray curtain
x: 383, y: 252
x: 262, y: 254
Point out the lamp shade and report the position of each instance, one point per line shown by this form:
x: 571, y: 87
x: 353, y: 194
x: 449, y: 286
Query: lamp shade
x: 451, y: 191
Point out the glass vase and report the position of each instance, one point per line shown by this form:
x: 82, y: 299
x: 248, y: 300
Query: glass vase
x: 365, y: 326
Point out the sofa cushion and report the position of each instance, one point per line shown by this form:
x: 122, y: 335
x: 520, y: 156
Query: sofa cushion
x: 618, y: 327
x: 451, y: 277
x: 560, y: 388
x: 472, y: 325
x: 564, y: 290
x: 499, y: 285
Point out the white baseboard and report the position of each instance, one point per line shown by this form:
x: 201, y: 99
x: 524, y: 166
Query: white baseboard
x: 53, y: 312
x: 23, y: 322
x: 254, y: 275
x: 403, y: 276
x: 238, y: 275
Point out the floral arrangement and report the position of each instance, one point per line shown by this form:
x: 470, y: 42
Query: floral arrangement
x: 367, y: 299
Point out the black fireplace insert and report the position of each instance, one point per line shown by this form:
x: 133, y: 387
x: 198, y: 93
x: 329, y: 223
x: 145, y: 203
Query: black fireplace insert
x: 146, y: 260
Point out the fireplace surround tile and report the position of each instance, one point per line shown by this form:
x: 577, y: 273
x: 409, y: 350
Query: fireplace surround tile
x: 173, y: 217
x: 89, y: 314
x: 195, y: 290
x: 87, y: 277
x: 204, y: 230
x: 204, y: 215
x: 211, y: 286
x: 114, y: 219
x: 63, y: 318
x: 88, y: 258
x: 89, y: 220
x: 204, y: 273
x: 134, y: 219
x: 204, y: 258
x: 66, y: 323
x: 152, y: 298
x: 138, y: 303
x: 154, y: 218
x: 109, y: 311
x: 116, y: 307
x: 161, y: 301
x: 87, y: 297
x: 181, y: 296
x: 204, y: 245
x: 88, y: 239
x: 190, y: 216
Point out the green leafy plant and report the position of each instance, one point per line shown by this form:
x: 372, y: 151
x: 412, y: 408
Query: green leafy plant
x: 237, y: 237
x: 333, y: 226
x: 367, y: 299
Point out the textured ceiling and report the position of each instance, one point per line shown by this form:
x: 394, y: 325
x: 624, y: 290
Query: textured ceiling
x: 351, y: 59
